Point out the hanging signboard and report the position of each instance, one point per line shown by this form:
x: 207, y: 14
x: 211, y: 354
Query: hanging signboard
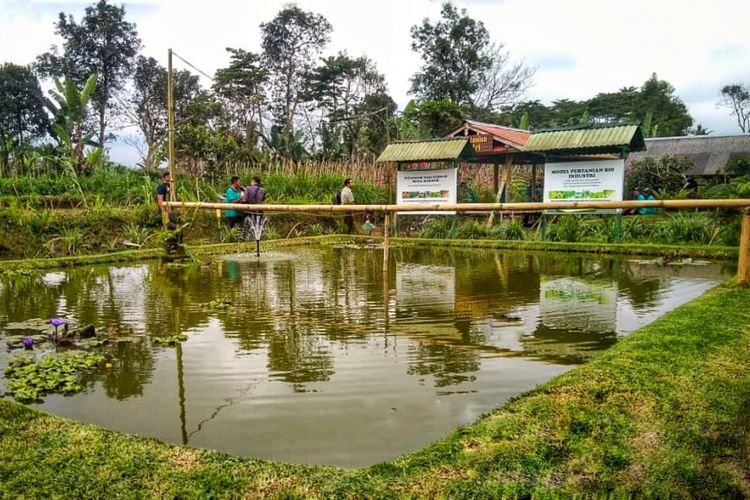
x: 598, y: 180
x: 422, y: 187
x: 482, y: 143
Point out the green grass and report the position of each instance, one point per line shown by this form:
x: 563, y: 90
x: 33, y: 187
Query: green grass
x: 664, y: 413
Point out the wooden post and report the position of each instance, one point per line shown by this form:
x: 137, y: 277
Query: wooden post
x: 170, y: 120
x: 743, y: 266
x: 502, y: 188
x: 386, y: 240
x: 495, y: 177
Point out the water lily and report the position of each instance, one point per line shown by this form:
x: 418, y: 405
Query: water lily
x: 28, y: 342
x: 56, y: 322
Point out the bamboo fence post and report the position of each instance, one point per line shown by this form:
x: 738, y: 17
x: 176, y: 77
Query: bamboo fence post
x: 743, y: 265
x: 386, y: 240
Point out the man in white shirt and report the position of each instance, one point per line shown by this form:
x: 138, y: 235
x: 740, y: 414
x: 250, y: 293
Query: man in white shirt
x: 347, y: 198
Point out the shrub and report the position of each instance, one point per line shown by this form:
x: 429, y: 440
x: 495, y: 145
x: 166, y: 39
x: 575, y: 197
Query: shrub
x: 696, y: 227
x: 471, y: 230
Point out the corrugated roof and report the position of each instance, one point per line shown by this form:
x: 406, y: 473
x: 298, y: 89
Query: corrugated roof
x: 586, y: 140
x: 708, y: 153
x: 514, y: 137
x: 434, y: 150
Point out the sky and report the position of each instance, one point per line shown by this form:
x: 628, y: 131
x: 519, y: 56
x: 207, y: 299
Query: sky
x: 579, y: 47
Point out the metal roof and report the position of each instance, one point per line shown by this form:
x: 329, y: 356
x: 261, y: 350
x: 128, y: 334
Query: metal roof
x: 709, y: 154
x: 586, y: 140
x: 434, y: 150
x: 514, y: 137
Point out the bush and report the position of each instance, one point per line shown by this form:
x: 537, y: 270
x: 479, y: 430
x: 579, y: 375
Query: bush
x: 471, y: 230
x: 696, y: 227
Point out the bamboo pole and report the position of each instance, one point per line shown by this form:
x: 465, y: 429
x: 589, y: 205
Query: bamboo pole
x: 743, y: 267
x: 386, y: 240
x: 170, y: 120
x: 503, y: 188
x: 468, y: 207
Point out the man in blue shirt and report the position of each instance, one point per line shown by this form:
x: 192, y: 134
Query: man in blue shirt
x: 233, y: 195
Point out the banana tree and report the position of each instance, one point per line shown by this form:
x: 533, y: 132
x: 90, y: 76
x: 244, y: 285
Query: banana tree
x: 70, y: 116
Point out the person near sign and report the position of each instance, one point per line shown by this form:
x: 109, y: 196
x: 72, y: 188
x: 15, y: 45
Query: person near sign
x: 347, y: 198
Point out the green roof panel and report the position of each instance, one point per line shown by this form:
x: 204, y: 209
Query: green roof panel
x: 587, y: 140
x: 435, y: 150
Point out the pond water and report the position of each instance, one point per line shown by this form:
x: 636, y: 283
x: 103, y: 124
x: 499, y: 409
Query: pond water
x: 316, y: 361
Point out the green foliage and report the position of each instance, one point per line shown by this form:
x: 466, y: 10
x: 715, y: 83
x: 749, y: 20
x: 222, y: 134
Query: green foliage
x: 654, y: 105
x: 22, y: 115
x: 471, y: 229
x: 737, y: 98
x: 462, y: 65
x: 696, y: 227
x: 566, y: 228
x: 217, y: 304
x: 508, y: 230
x: 170, y: 341
x: 102, y: 44
x: 666, y: 175
x: 438, y: 228
x: 30, y: 379
x: 291, y: 42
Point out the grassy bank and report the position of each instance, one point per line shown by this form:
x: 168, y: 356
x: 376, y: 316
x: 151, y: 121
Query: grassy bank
x: 665, y: 412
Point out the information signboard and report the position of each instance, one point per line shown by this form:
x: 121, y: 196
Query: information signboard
x: 420, y: 187
x: 599, y: 180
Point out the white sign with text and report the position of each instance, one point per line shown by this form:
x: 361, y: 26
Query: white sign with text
x: 422, y: 187
x: 598, y: 180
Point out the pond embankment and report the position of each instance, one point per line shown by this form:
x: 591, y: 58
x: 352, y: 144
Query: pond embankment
x: 665, y: 412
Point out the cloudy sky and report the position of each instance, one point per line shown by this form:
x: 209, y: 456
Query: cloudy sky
x: 580, y: 47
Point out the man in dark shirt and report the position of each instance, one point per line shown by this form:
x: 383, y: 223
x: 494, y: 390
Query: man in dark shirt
x: 162, y: 192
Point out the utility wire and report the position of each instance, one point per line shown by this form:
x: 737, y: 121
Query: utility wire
x: 193, y: 66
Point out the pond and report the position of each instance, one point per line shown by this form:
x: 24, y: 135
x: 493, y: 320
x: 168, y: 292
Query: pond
x: 316, y: 361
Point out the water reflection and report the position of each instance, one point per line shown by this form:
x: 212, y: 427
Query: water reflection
x: 320, y: 359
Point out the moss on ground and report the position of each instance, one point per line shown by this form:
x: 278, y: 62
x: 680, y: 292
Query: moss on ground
x: 664, y: 413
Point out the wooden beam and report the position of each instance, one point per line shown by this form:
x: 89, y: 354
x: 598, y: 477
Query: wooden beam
x: 468, y: 207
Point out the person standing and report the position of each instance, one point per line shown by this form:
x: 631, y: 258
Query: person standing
x: 233, y: 195
x: 255, y: 195
x: 162, y: 194
x: 347, y: 198
x: 649, y: 196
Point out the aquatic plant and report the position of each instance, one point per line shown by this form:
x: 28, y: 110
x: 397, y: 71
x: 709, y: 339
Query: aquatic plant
x: 30, y: 379
x: 170, y: 341
x: 28, y: 342
x: 57, y: 322
x: 217, y: 304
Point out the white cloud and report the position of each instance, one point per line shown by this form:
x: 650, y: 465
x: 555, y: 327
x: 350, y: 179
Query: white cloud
x: 581, y: 47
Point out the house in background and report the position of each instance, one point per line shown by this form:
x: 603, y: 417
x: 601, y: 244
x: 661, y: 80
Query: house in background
x: 709, y: 154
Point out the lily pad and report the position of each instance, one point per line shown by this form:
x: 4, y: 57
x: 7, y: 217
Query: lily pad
x: 36, y: 324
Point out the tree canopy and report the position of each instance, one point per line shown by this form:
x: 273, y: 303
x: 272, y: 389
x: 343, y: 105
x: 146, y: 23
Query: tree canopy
x: 101, y: 44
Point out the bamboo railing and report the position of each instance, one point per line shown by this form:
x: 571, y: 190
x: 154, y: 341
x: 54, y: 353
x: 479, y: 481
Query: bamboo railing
x: 743, y: 267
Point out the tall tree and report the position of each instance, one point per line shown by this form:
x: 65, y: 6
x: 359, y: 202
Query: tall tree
x: 291, y: 42
x: 462, y: 65
x: 670, y: 116
x: 242, y: 87
x: 102, y: 44
x: 737, y: 98
x: 340, y: 87
x: 147, y: 106
x: 22, y: 114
